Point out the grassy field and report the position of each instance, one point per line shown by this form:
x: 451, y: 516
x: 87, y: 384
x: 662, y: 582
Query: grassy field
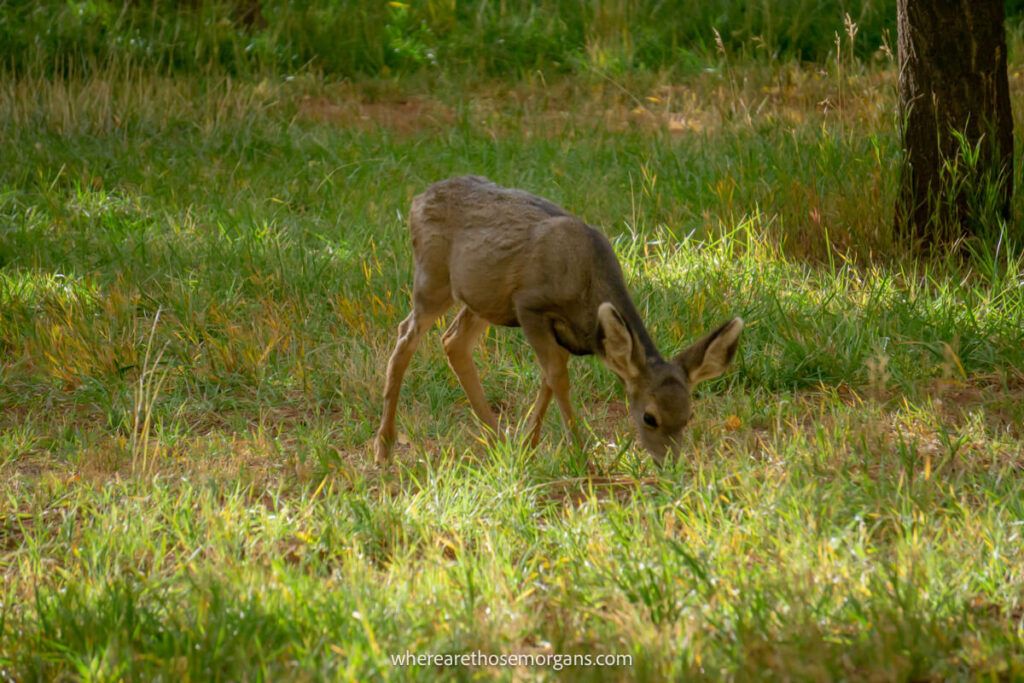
x: 200, y: 280
x: 506, y: 39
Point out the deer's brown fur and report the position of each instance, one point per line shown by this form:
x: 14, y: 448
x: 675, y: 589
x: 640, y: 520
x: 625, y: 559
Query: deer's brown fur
x: 514, y: 259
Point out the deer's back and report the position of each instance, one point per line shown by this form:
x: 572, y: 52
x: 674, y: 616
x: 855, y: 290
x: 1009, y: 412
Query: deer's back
x: 473, y: 203
x: 500, y: 248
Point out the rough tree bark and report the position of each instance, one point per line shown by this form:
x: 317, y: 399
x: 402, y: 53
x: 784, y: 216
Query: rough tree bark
x: 952, y: 60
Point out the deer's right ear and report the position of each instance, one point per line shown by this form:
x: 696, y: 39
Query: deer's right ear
x: 622, y: 351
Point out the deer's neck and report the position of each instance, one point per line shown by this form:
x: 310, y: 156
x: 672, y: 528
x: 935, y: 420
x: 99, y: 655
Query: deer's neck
x: 632, y: 316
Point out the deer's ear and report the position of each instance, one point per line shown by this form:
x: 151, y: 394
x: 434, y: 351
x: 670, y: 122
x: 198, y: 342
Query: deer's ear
x: 709, y: 357
x: 622, y: 352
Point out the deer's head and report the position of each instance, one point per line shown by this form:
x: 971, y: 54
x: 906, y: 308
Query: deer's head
x: 659, y: 390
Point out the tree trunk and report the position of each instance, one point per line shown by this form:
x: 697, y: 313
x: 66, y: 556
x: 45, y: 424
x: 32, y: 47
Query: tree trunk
x: 954, y: 93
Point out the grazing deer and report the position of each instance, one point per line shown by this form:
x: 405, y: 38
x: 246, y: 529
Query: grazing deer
x: 515, y: 259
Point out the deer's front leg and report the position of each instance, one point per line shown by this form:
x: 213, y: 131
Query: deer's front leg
x: 554, y: 365
x: 540, y: 407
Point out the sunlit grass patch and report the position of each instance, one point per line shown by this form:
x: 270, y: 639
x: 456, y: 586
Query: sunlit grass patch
x: 36, y: 290
x: 199, y: 287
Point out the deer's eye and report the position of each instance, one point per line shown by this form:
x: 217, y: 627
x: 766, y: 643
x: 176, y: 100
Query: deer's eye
x: 650, y: 421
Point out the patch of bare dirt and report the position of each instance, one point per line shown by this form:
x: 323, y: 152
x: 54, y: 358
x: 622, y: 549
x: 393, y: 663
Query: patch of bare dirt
x: 702, y: 105
x: 403, y: 116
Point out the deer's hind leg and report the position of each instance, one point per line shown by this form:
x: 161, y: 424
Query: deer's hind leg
x: 428, y: 304
x: 459, y: 340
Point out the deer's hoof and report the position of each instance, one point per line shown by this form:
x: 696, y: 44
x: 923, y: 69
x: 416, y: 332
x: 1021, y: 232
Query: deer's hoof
x: 382, y: 449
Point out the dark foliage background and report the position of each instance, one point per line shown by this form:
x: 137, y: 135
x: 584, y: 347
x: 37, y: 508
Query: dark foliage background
x: 359, y: 38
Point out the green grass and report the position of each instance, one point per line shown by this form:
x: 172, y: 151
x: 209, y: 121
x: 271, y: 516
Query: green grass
x: 354, y: 38
x: 200, y: 280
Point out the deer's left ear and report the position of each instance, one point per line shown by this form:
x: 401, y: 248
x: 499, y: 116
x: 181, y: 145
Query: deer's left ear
x: 709, y: 357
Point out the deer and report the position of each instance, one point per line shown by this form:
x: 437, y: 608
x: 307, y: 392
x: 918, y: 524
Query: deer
x: 513, y: 259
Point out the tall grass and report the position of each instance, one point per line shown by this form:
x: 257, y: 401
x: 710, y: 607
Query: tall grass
x: 377, y: 38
